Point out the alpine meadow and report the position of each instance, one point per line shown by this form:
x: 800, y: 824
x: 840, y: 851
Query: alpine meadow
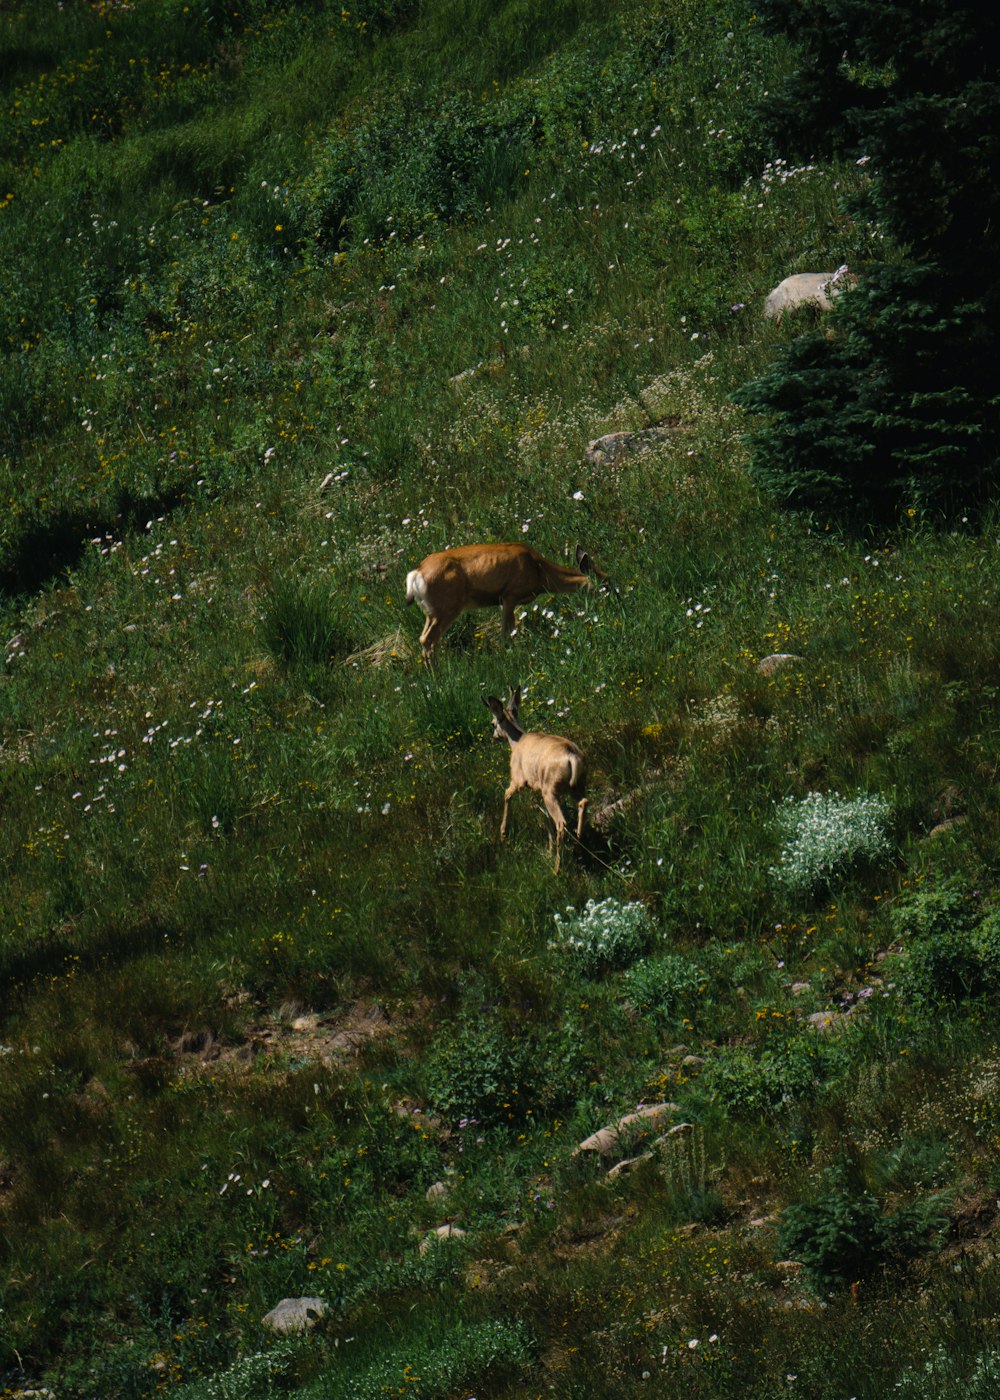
x: 311, y: 1085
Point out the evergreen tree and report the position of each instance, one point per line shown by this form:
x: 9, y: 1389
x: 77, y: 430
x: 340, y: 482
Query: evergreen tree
x: 900, y: 402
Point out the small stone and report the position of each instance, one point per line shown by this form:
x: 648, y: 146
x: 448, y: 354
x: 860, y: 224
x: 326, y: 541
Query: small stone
x: 769, y: 664
x: 800, y: 988
x: 435, y: 1192
x: 823, y: 1020
x: 441, y: 1232
x: 693, y: 1061
x: 630, y: 1163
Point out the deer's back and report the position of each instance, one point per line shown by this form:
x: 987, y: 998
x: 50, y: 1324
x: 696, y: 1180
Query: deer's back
x: 485, y: 573
x: 548, y: 759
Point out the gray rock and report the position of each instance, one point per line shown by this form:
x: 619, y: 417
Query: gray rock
x: 602, y: 451
x: 825, y: 1021
x: 294, y: 1315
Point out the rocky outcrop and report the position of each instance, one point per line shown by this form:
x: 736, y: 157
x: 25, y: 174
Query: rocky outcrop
x: 647, y: 1118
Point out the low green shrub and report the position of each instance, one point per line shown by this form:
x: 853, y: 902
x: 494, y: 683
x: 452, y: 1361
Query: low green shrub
x: 952, y: 954
x: 943, y: 968
x: 435, y: 1364
x: 758, y: 1082
x: 484, y: 1070
x: 933, y: 909
x: 250, y: 1376
x: 665, y: 989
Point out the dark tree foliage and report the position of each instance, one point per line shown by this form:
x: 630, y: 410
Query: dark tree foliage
x: 899, y: 402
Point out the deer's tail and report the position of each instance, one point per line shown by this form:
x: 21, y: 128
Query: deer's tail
x: 416, y: 589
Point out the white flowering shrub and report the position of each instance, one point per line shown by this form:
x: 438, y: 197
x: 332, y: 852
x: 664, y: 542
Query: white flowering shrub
x: 602, y: 934
x: 825, y: 835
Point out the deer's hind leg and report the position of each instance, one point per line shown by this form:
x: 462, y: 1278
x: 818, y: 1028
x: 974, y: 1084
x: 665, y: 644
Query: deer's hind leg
x: 558, y: 822
x: 434, y: 629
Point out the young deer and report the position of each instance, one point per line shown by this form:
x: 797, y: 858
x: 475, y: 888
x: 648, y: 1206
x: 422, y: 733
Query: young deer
x: 549, y: 764
x: 480, y: 575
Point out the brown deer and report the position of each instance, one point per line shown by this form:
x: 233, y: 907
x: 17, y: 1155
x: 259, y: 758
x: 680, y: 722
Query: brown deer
x: 549, y: 764
x: 481, y: 575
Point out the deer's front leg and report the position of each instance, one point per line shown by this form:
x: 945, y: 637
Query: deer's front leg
x: 506, y: 809
x: 509, y: 618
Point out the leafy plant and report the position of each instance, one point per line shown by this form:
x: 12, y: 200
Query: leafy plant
x: 947, y: 1376
x: 482, y: 1070
x: 951, y: 954
x: 665, y: 989
x: 782, y: 1073
x: 473, y: 1353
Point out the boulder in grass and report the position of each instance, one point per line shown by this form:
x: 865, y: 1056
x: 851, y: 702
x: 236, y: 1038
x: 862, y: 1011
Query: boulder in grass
x: 603, y: 451
x: 294, y: 1315
x: 815, y: 289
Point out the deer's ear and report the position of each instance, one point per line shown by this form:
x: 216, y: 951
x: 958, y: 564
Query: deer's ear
x: 515, y: 699
x: 492, y: 703
x: 582, y: 560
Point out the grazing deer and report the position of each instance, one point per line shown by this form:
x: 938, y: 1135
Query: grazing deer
x: 480, y: 575
x: 549, y: 764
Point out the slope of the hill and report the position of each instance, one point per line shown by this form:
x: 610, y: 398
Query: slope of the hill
x: 292, y: 294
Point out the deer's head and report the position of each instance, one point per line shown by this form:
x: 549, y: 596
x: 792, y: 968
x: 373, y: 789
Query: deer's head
x: 504, y: 716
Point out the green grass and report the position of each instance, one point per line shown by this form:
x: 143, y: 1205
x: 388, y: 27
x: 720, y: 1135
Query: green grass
x: 268, y: 973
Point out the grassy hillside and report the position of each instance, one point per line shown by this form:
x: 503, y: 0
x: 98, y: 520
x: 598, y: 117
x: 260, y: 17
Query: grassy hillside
x: 290, y: 295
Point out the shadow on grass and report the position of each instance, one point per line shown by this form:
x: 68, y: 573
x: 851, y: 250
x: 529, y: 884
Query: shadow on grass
x: 49, y: 545
x: 122, y: 943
